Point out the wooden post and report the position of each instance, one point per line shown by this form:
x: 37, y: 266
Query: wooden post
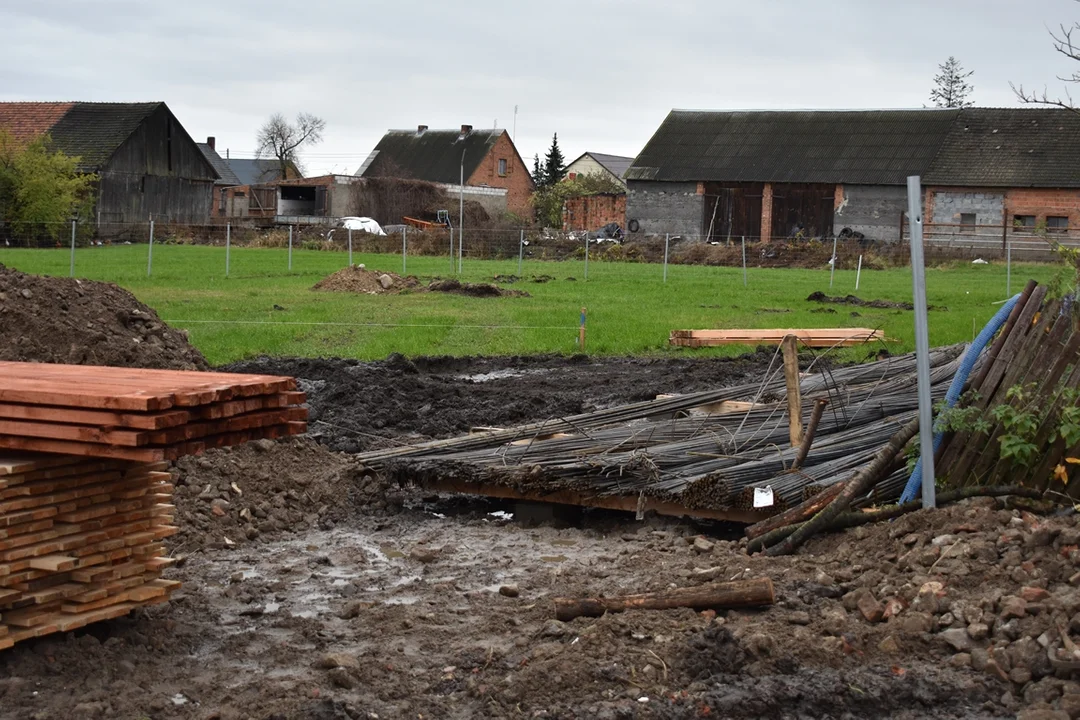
x: 808, y: 436
x: 717, y: 596
x: 790, y: 346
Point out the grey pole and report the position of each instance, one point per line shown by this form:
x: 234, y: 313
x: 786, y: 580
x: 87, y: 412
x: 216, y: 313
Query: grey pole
x: 667, y: 242
x: 922, y: 342
x: 744, y: 260
x: 350, y: 247
x: 586, y: 255
x: 1008, y: 268
x: 832, y: 272
x: 858, y: 273
x: 403, y: 263
x: 150, y: 250
x: 451, y: 249
x: 228, y: 239
x: 290, y: 247
x: 72, y: 271
x: 521, y: 250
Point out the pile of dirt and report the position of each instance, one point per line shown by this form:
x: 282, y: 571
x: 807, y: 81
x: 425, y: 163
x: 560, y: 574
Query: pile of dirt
x: 457, y: 287
x: 356, y: 406
x: 821, y: 297
x: 82, y: 322
x: 264, y: 488
x: 358, y: 279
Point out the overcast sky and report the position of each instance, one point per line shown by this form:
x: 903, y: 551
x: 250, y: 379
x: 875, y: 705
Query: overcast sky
x: 601, y: 73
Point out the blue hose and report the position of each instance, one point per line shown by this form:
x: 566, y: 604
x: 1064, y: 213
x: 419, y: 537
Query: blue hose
x: 914, y: 484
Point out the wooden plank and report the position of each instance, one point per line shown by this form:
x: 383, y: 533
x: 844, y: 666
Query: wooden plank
x: 54, y: 563
x: 840, y: 337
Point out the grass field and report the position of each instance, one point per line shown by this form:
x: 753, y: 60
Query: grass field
x: 630, y: 309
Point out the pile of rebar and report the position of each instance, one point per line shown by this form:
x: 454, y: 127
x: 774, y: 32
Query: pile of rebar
x: 699, y: 461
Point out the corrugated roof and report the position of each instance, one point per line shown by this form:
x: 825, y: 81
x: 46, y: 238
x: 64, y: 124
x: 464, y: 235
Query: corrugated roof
x: 1018, y: 147
x: 874, y: 147
x: 255, y: 171
x: 432, y: 155
x: 26, y: 120
x: 226, y: 176
x: 615, y: 164
x: 93, y: 131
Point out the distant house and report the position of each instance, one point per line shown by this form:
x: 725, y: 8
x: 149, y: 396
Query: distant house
x: 226, y: 177
x: 146, y: 163
x: 256, y: 171
x: 494, y: 173
x: 593, y: 163
x: 779, y: 174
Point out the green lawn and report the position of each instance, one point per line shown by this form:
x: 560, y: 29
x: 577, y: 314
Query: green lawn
x: 630, y: 309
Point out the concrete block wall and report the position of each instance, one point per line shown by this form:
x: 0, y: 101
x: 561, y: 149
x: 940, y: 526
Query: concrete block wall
x: 873, y: 210
x: 950, y: 204
x: 665, y: 207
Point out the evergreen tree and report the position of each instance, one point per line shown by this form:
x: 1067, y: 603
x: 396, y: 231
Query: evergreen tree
x: 951, y: 89
x: 554, y: 168
x: 538, y: 172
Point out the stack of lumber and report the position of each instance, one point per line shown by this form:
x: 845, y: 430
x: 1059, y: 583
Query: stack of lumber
x: 80, y: 541
x: 85, y: 496
x: 138, y: 414
x: 817, y: 338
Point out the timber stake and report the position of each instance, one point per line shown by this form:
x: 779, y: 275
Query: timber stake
x: 717, y: 596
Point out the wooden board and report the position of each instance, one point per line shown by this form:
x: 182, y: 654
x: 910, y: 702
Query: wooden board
x: 819, y: 338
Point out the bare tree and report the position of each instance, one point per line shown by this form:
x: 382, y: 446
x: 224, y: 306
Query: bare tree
x: 281, y: 139
x: 1064, y: 44
x: 951, y: 89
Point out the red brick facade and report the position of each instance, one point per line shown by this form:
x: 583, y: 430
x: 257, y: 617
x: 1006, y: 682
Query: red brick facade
x: 592, y: 212
x: 517, y: 180
x: 1042, y: 202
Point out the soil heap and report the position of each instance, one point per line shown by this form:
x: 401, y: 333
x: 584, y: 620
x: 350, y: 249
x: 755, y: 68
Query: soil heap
x: 358, y: 279
x: 83, y: 322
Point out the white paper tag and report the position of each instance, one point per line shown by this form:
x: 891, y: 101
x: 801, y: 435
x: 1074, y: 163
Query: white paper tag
x: 763, y: 497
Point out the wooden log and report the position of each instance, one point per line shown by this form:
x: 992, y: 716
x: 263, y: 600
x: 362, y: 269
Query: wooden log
x: 802, y: 511
x: 716, y: 596
x: 790, y: 348
x: 811, y: 430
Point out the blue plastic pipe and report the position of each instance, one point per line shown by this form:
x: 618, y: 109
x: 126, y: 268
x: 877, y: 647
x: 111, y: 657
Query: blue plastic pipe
x: 967, y: 364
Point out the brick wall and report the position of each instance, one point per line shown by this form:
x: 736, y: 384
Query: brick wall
x: 665, y: 207
x: 1042, y: 202
x: 593, y: 212
x: 517, y: 180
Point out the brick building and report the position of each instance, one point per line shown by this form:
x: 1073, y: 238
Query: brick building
x: 492, y: 167
x: 592, y: 212
x: 778, y: 174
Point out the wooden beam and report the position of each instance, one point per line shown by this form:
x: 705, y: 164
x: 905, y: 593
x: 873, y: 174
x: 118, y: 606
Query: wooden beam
x: 790, y: 347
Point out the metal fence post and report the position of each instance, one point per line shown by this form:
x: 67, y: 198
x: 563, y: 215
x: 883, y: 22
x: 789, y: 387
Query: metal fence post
x: 858, y: 273
x: 832, y: 272
x: 290, y: 247
x: 71, y: 273
x: 150, y: 250
x: 521, y: 250
x: 1008, y: 268
x: 586, y: 256
x: 922, y: 343
x: 350, y: 247
x: 228, y: 248
x: 667, y: 242
x: 744, y: 260
x: 403, y: 263
x: 460, y: 243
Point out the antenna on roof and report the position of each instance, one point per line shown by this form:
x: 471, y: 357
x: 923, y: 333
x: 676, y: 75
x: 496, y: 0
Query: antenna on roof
x: 513, y: 135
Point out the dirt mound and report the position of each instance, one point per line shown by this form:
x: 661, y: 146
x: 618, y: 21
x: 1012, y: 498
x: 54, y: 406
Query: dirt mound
x: 356, y: 406
x: 821, y: 297
x: 262, y: 489
x: 358, y: 279
x: 82, y: 322
x: 473, y: 289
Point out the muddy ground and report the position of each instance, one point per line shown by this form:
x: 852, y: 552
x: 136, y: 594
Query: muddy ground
x: 313, y: 589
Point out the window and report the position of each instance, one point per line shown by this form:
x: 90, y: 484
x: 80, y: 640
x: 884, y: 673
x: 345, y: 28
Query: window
x: 571, y: 176
x: 221, y: 206
x: 1057, y: 223
x: 1024, y: 222
x: 502, y: 167
x: 967, y: 221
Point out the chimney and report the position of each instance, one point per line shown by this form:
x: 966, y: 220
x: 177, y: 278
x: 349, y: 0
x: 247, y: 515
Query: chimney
x: 465, y: 130
x: 211, y: 141
x: 420, y: 129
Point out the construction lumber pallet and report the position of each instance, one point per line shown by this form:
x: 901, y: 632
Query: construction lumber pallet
x: 818, y: 338
x: 141, y: 415
x: 80, y: 541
